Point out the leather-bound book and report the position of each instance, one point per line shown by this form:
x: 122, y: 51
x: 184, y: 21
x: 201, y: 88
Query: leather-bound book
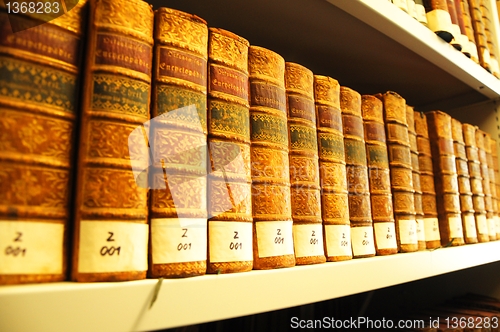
x: 360, y: 215
x: 178, y: 140
x: 429, y: 207
x: 379, y: 176
x: 490, y: 37
x: 419, y: 211
x: 271, y: 202
x: 111, y: 211
x: 466, y: 205
x: 463, y: 7
x: 420, y: 12
x: 332, y: 167
x: 400, y: 163
x: 456, y: 42
x: 439, y: 19
x: 38, y: 106
x: 480, y: 34
x: 494, y: 161
x: 474, y: 166
x: 304, y: 168
x: 445, y: 178
x: 230, y: 239
x: 483, y: 146
x: 462, y: 33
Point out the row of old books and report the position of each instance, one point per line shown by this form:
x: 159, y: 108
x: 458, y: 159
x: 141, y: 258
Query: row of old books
x: 467, y: 24
x: 197, y: 153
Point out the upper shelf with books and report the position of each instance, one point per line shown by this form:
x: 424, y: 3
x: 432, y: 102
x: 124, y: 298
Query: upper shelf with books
x: 368, y: 45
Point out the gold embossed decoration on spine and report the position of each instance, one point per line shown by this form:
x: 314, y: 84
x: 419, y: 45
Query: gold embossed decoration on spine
x: 230, y: 247
x: 494, y: 160
x: 379, y: 176
x: 39, y: 86
x: 483, y: 146
x: 304, y: 169
x: 400, y: 164
x: 360, y: 215
x: 476, y: 181
x: 445, y: 178
x: 466, y: 205
x: 178, y: 140
x: 271, y: 202
x: 332, y: 167
x: 111, y: 212
x: 431, y: 223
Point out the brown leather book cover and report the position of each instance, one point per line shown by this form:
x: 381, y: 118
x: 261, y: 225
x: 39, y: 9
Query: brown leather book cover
x: 271, y: 201
x: 230, y: 234
x: 360, y: 215
x: 480, y: 34
x: 111, y: 210
x: 445, y: 178
x: 178, y: 139
x: 400, y: 163
x: 494, y: 160
x: 439, y: 19
x: 431, y: 224
x: 484, y: 149
x: 38, y: 107
x: 332, y: 167
x: 490, y: 37
x: 379, y: 177
x: 469, y: 31
x: 304, y: 167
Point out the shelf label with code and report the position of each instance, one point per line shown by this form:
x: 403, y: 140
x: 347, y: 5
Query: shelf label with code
x: 338, y: 240
x: 112, y: 246
x: 470, y: 225
x: 31, y: 247
x: 492, y: 227
x: 482, y: 224
x: 420, y: 230
x: 362, y: 241
x: 308, y: 240
x: 274, y: 238
x: 408, y: 231
x: 431, y: 227
x: 385, y: 235
x: 456, y: 229
x: 230, y: 241
x: 178, y: 240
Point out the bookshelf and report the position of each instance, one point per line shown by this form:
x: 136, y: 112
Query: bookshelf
x: 368, y: 45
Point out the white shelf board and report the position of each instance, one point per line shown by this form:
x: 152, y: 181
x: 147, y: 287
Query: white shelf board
x: 124, y: 306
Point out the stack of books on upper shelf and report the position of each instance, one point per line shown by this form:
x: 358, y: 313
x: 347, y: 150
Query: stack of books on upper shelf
x: 156, y: 146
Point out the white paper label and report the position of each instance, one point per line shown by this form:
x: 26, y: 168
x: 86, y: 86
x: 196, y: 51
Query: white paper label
x: 408, y: 231
x: 362, y: 241
x: 439, y: 20
x: 112, y: 246
x: 308, y: 240
x: 482, y: 224
x: 497, y: 223
x: 385, y: 235
x: 431, y: 227
x: 420, y: 230
x: 178, y: 240
x: 456, y: 229
x: 31, y: 247
x: 338, y: 240
x: 470, y: 225
x: 230, y: 241
x: 492, y: 227
x: 274, y: 238
x: 420, y: 11
x: 401, y: 4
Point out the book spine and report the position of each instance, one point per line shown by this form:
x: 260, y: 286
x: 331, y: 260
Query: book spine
x: 466, y: 205
x: 474, y: 166
x: 469, y: 30
x: 40, y: 72
x: 360, y: 215
x: 271, y: 201
x: 230, y: 239
x: 490, y: 40
x: 379, y: 176
x: 420, y: 12
x: 446, y: 180
x: 483, y: 145
x: 111, y: 211
x: 415, y: 169
x: 480, y: 34
x: 178, y: 139
x: 304, y: 168
x: 429, y: 207
x: 439, y: 19
x: 332, y: 166
x: 456, y: 42
x: 464, y: 40
x: 494, y: 160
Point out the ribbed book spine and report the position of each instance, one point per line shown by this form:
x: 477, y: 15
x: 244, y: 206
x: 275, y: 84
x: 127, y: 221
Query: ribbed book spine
x: 415, y: 169
x: 466, y: 205
x: 439, y: 19
x: 379, y: 176
x: 462, y: 36
x: 493, y: 188
x: 494, y: 160
x: 490, y: 40
x: 429, y: 207
x: 39, y: 90
x: 271, y: 201
x: 230, y: 239
x: 304, y: 168
x: 332, y: 166
x: 474, y: 166
x: 445, y: 178
x: 483, y: 146
x: 480, y: 34
x: 398, y: 145
x: 111, y: 210
x: 360, y: 215
x: 469, y: 30
x: 178, y: 141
